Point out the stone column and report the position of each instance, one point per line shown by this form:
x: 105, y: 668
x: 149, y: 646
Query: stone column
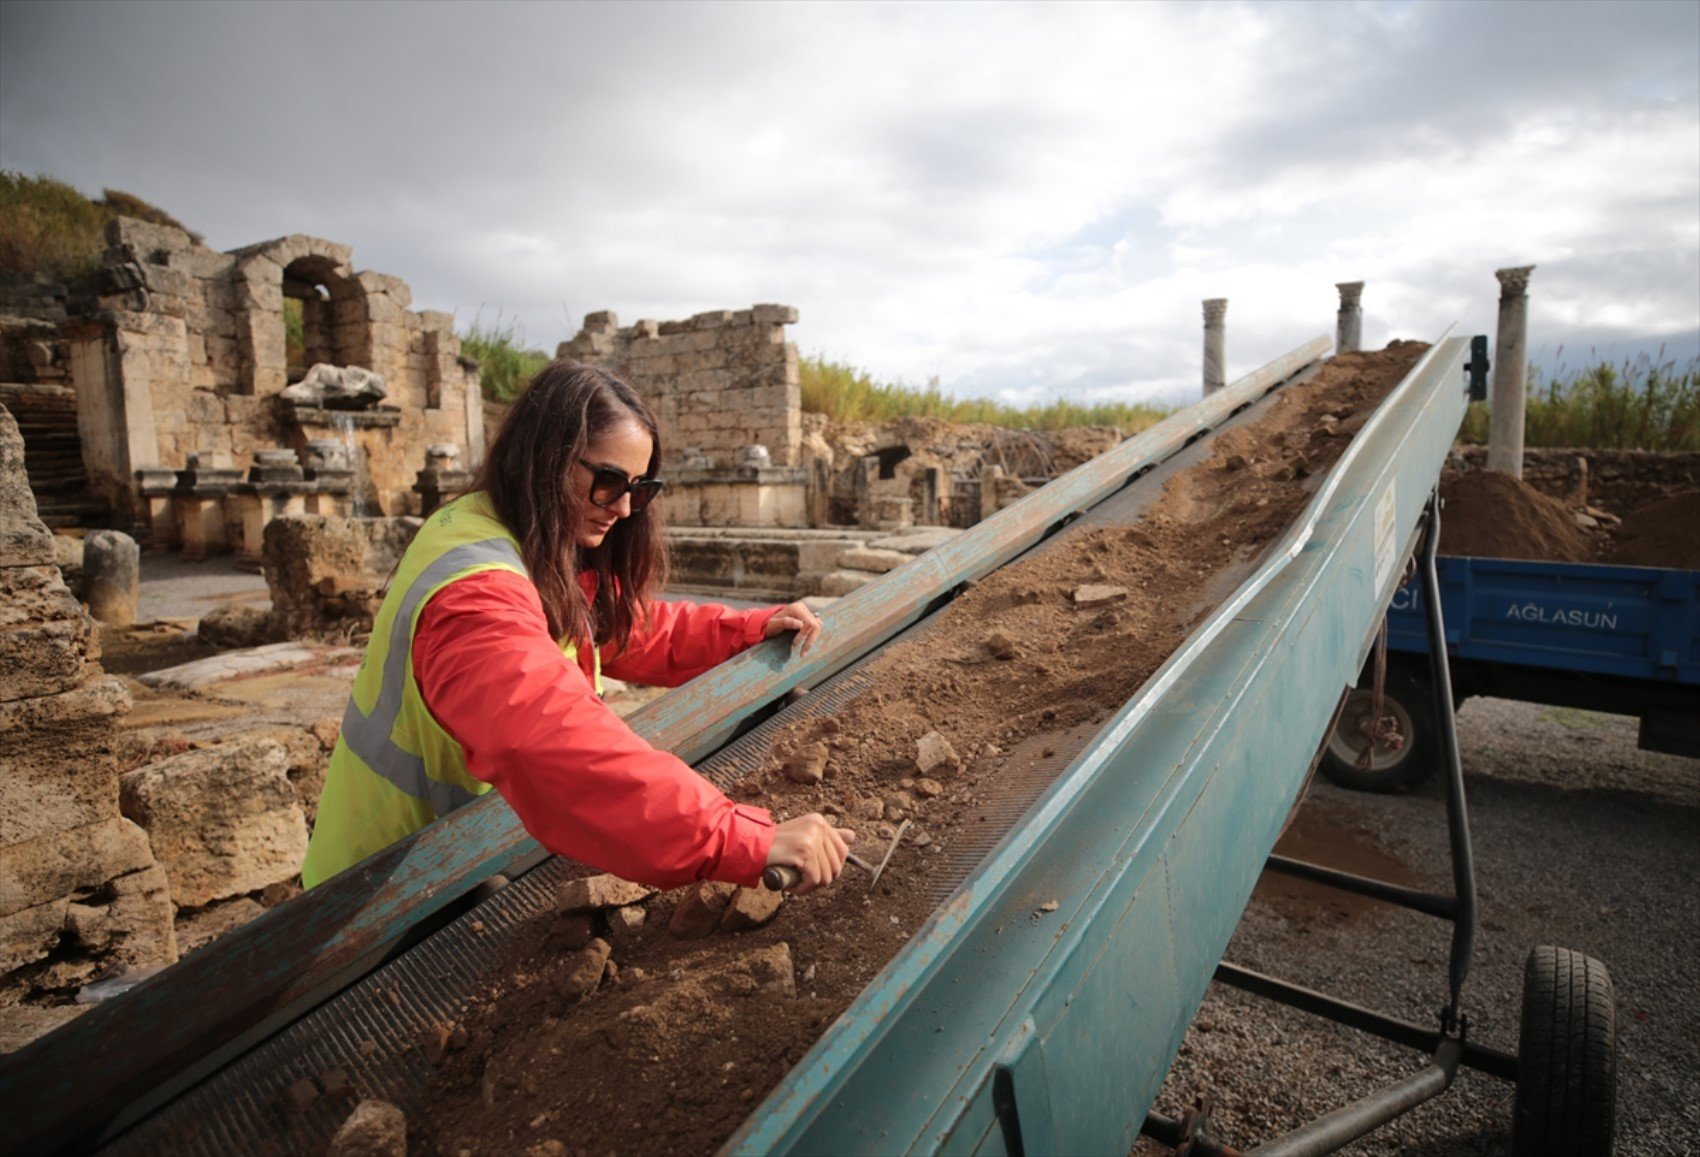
x: 867, y: 470
x: 112, y: 573
x: 442, y: 477
x: 1349, y: 326
x: 1510, y: 372
x: 1215, y: 344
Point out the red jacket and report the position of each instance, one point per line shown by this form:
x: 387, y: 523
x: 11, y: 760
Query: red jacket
x: 583, y: 784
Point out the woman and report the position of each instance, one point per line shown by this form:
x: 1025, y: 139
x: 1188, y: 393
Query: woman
x: 485, y: 665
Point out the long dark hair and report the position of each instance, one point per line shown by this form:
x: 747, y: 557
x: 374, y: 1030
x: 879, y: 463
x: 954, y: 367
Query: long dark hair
x: 528, y: 476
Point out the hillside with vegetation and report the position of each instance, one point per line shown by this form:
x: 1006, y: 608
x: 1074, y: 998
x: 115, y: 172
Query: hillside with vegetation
x: 50, y: 229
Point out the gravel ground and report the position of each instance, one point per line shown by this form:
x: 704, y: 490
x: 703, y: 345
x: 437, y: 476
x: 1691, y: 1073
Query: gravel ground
x: 172, y: 587
x: 1581, y: 841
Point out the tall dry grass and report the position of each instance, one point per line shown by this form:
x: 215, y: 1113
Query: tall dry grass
x: 505, y: 366
x: 1640, y: 404
x: 49, y: 228
x: 846, y: 394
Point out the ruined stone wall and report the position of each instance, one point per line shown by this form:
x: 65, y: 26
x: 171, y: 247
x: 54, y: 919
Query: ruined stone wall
x: 719, y: 382
x: 327, y: 575
x: 186, y: 353
x: 80, y: 889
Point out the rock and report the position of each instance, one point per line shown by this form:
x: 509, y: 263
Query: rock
x: 326, y: 730
x: 24, y: 538
x: 51, y: 867
x: 571, y: 931
x: 916, y: 541
x: 236, y: 627
x: 218, y: 668
x: 583, y: 973
x: 302, y: 1094
x: 698, y: 911
x: 199, y: 928
x: 624, y: 920
x: 1098, y: 594
x: 839, y: 583
x: 22, y: 1023
x: 222, y: 821
x: 928, y: 788
x: 1235, y: 462
x: 68, y: 556
x: 443, y: 1038
x: 593, y: 893
x: 45, y: 638
x: 338, y: 387
x: 750, y: 908
x: 1000, y: 646
x: 336, y: 1084
x: 1585, y: 521
x: 808, y: 765
x: 870, y: 808
x: 112, y: 576
x: 374, y: 1129
x: 934, y: 753
x: 773, y: 970
x: 878, y: 561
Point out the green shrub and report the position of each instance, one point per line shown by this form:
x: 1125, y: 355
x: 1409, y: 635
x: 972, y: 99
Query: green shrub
x: 505, y: 366
x: 1639, y: 405
x: 47, y: 227
x: 846, y: 394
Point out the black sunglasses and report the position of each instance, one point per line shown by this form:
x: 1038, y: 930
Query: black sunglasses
x: 608, y: 486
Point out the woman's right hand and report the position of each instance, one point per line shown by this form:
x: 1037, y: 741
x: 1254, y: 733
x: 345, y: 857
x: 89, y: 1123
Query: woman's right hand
x: 813, y: 846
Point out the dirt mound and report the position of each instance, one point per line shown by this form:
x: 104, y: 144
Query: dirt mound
x: 1664, y: 534
x: 1493, y: 515
x: 683, y: 1038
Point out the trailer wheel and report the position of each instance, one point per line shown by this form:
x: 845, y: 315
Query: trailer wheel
x: 1567, y: 1057
x: 1407, y: 698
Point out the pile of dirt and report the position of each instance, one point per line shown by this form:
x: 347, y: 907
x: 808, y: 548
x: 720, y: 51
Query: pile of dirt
x: 1663, y: 534
x: 679, y: 1039
x: 1488, y: 514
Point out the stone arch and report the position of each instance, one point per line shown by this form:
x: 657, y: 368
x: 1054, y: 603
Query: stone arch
x: 318, y: 274
x: 334, y: 318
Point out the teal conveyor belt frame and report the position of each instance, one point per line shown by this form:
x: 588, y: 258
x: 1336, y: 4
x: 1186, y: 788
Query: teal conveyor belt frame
x: 995, y: 1012
x: 1065, y: 1022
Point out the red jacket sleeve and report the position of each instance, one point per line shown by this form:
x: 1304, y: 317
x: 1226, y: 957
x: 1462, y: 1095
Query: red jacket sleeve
x: 683, y: 641
x: 583, y: 784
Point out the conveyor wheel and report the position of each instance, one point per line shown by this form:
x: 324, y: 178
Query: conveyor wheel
x: 1394, y: 765
x: 1567, y: 1053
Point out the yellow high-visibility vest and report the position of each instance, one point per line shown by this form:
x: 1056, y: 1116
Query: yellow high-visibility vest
x: 394, y: 768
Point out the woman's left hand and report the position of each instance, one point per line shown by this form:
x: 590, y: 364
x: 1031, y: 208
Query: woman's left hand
x: 799, y: 618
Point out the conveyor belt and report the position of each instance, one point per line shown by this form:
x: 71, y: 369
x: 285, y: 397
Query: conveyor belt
x: 244, y: 996
x: 373, y: 1034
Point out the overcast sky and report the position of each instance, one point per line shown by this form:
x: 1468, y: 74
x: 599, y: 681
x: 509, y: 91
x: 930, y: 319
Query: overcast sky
x: 1023, y: 200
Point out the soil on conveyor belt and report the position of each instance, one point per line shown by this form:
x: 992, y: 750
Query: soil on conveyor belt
x: 669, y: 1047
x: 1493, y: 515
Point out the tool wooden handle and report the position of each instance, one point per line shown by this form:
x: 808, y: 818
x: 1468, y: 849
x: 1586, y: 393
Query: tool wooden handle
x: 780, y: 877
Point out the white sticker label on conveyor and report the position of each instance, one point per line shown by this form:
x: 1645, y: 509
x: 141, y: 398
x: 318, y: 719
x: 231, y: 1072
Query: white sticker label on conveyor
x: 1384, y: 549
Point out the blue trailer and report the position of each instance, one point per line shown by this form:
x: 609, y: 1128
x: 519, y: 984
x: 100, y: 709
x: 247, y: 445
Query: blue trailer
x: 1620, y: 639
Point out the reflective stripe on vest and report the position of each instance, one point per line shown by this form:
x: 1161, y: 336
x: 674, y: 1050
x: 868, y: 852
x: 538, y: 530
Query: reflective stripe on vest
x: 370, y: 736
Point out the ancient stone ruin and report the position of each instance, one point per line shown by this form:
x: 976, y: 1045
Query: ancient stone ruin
x: 81, y: 893
x: 194, y: 423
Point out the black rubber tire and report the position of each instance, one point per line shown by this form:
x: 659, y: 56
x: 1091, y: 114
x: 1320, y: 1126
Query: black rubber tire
x: 1408, y: 698
x: 1567, y: 1058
